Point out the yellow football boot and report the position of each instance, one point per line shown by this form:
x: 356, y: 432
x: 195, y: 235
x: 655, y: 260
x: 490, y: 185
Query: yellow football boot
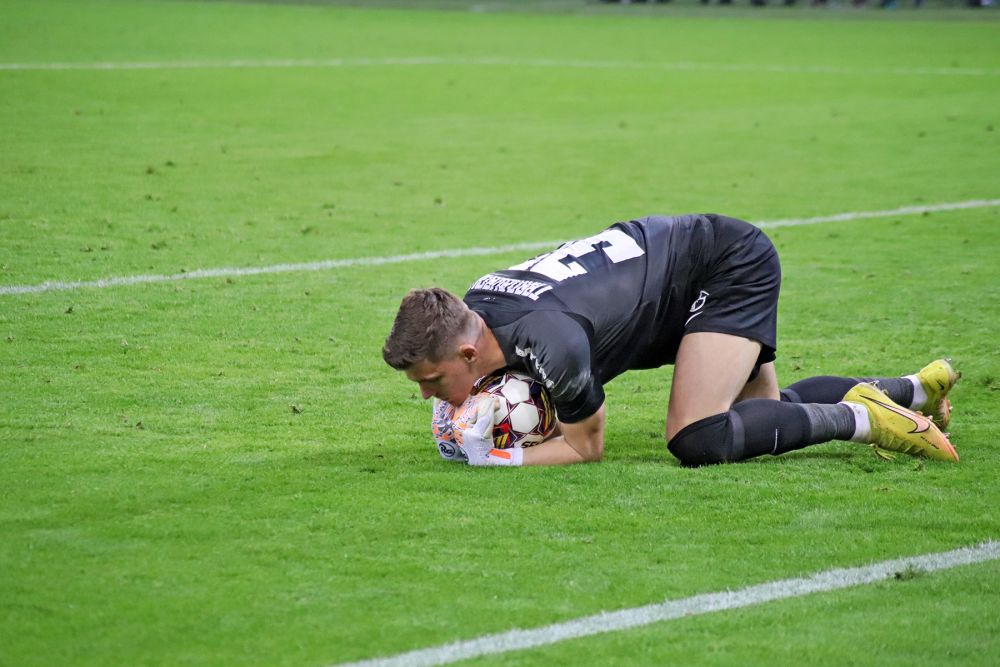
x: 937, y: 379
x: 898, y: 429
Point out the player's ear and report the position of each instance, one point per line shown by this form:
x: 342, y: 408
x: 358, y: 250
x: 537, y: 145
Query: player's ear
x: 468, y: 352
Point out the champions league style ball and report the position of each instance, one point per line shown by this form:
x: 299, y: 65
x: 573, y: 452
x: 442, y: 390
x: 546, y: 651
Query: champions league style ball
x: 524, y: 414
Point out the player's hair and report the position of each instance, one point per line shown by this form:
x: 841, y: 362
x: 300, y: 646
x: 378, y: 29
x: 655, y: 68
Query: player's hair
x: 428, y: 324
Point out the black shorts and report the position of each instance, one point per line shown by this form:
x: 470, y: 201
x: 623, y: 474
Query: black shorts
x: 738, y: 292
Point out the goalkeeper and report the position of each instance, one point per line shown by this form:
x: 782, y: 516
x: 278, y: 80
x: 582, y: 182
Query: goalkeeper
x: 696, y: 291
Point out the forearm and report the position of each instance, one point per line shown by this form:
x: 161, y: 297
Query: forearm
x: 554, y: 452
x: 580, y: 442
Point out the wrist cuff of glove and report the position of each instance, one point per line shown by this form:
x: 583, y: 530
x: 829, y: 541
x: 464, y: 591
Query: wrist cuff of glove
x: 506, y: 457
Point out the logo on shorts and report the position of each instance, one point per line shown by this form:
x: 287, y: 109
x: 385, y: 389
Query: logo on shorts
x: 697, y: 306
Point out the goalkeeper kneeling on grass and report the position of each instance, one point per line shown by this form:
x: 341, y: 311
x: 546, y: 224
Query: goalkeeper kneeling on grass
x: 696, y: 291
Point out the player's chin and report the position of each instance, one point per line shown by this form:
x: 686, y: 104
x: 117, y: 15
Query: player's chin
x: 457, y: 399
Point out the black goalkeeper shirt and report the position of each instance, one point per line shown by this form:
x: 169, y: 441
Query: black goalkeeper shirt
x: 584, y: 313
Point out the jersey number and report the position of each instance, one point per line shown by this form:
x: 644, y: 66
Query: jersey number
x: 562, y: 263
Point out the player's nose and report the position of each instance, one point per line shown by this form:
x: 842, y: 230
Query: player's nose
x: 426, y: 393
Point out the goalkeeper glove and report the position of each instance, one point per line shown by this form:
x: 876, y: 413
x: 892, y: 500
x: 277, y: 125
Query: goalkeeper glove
x: 477, y: 440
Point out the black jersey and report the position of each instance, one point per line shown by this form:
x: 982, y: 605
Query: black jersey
x: 578, y: 316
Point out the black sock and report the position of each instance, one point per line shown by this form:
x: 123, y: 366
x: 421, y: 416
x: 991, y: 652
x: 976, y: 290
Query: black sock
x: 775, y: 427
x: 822, y: 389
x: 899, y: 389
x: 830, y: 389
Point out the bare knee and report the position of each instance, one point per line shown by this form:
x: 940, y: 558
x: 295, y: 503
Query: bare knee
x: 679, y: 419
x: 677, y: 423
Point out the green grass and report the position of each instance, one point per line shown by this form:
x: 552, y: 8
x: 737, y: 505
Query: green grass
x: 162, y: 503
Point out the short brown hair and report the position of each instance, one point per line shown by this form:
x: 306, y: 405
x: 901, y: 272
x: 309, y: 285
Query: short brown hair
x: 428, y: 322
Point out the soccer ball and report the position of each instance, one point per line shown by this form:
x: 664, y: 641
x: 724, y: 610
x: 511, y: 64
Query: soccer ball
x: 524, y: 414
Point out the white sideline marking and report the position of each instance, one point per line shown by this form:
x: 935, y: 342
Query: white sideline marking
x: 623, y: 619
x: 902, y: 210
x: 287, y: 63
x: 325, y: 265
x: 273, y: 268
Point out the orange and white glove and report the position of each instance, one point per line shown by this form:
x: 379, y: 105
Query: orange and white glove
x: 477, y: 440
x: 443, y: 428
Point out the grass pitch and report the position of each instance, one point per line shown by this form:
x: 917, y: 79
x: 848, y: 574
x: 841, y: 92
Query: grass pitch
x: 222, y: 471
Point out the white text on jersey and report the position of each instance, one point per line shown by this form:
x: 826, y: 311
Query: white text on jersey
x: 526, y: 352
x: 494, y: 283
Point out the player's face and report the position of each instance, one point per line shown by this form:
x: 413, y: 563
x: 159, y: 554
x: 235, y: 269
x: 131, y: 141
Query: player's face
x: 449, y: 380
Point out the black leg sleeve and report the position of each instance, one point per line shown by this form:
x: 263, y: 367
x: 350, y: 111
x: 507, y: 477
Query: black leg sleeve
x: 773, y: 427
x: 760, y: 426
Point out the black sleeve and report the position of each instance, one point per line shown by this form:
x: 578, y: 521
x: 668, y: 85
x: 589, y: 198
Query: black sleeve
x: 556, y: 351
